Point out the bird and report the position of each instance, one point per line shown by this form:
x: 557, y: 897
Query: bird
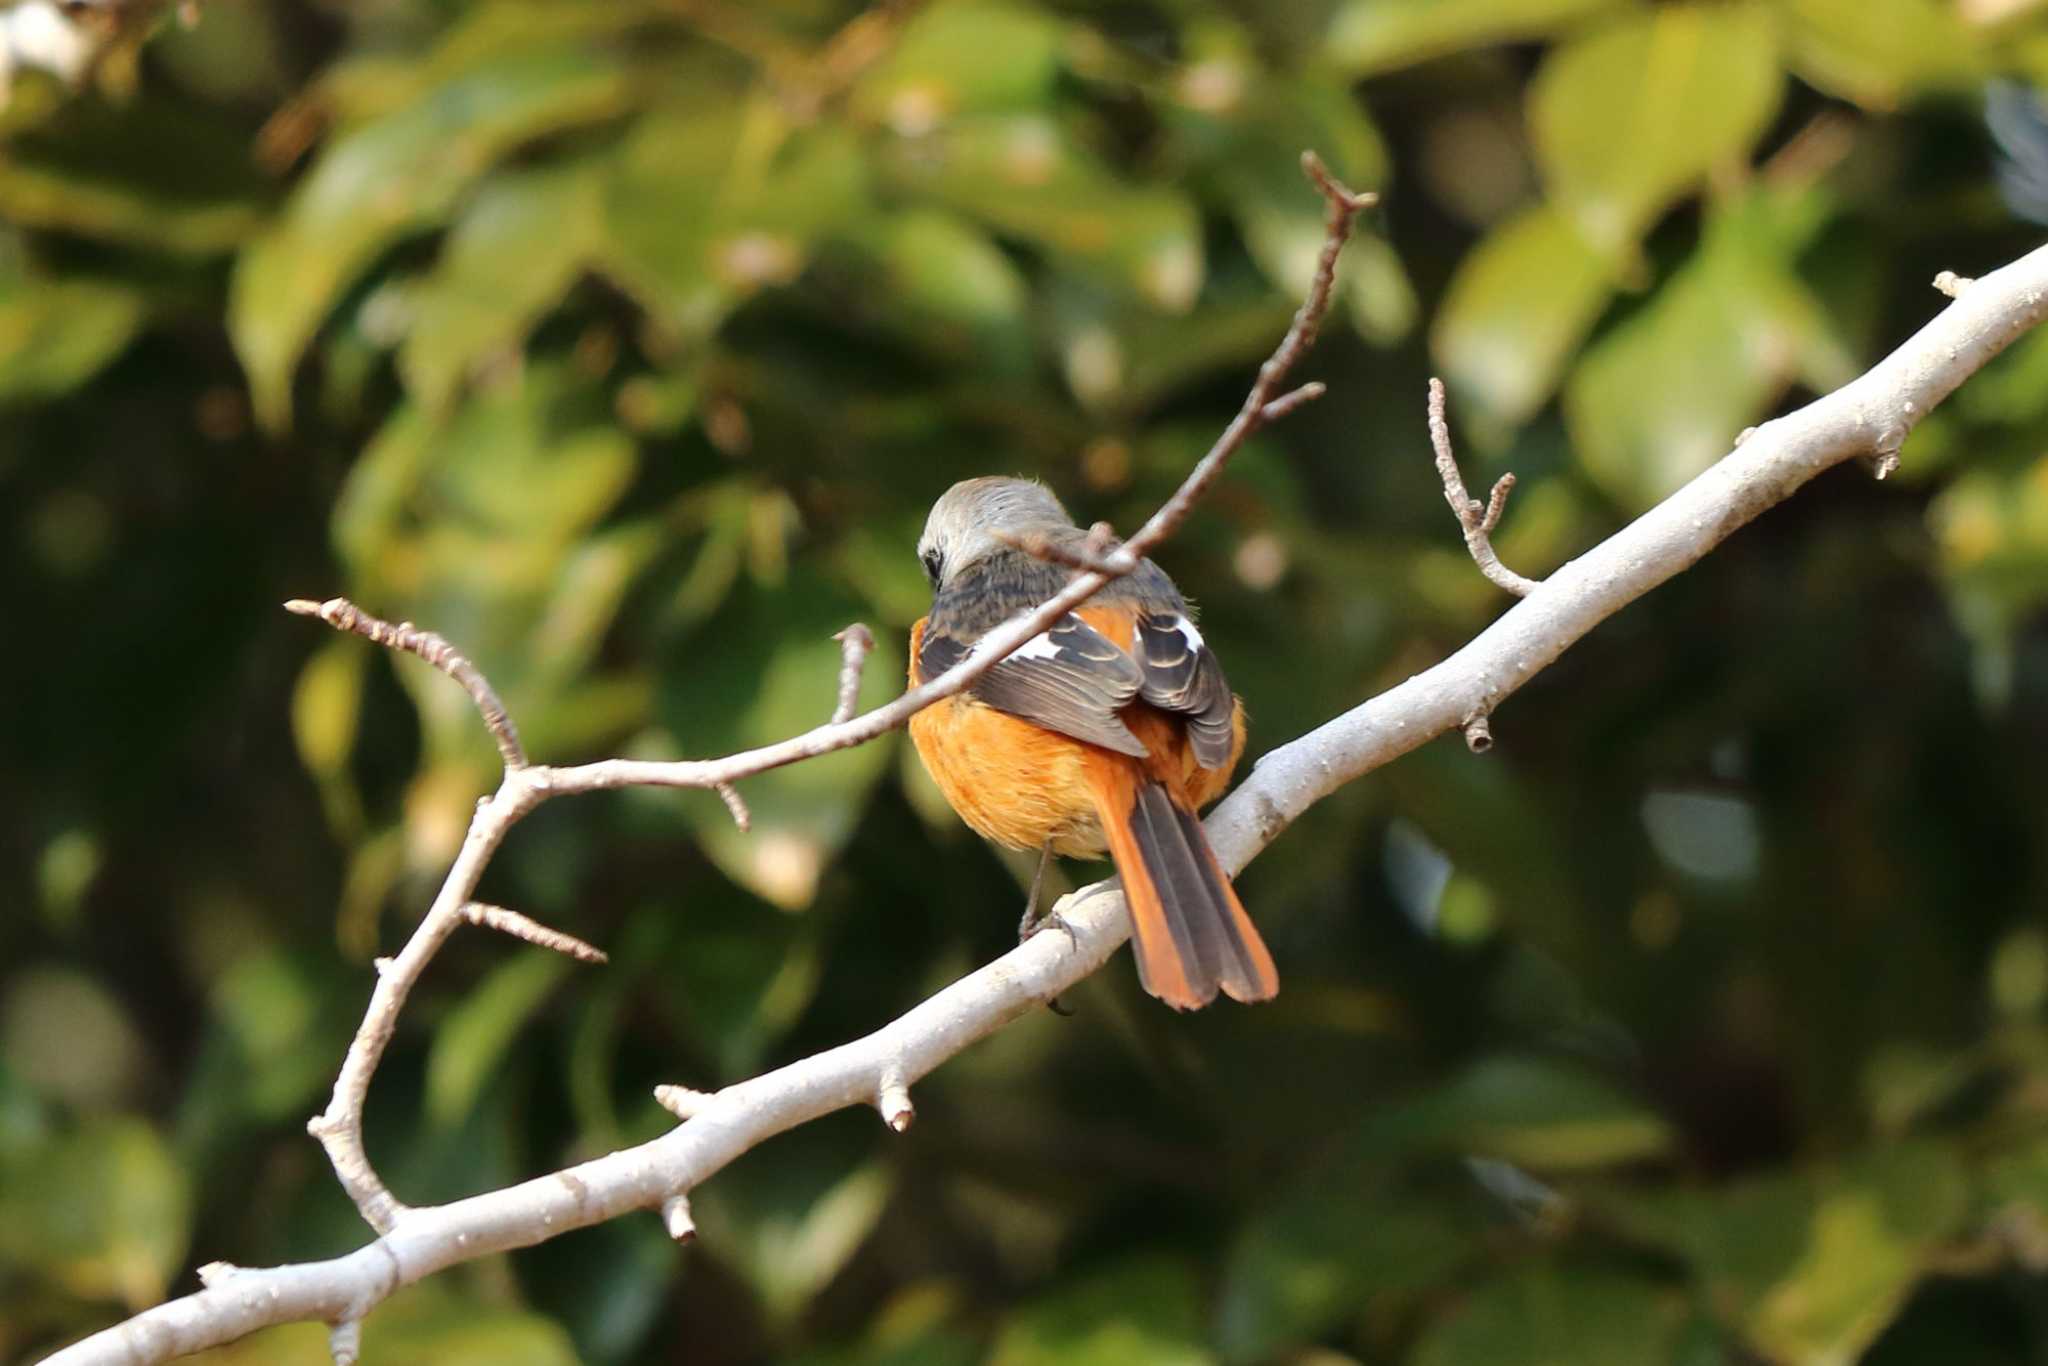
x: 1109, y: 731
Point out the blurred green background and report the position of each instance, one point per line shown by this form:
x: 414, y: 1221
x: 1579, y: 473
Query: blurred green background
x: 626, y: 343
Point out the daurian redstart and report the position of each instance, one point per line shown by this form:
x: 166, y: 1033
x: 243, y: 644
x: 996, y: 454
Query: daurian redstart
x: 1111, y: 729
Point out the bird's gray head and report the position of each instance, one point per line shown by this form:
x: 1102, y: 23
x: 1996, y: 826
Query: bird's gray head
x: 962, y: 530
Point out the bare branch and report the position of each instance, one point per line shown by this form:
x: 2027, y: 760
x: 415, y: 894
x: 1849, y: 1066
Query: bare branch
x: 532, y: 931
x: 855, y: 643
x: 345, y: 1342
x: 1477, y: 520
x: 1773, y: 463
x: 344, y: 615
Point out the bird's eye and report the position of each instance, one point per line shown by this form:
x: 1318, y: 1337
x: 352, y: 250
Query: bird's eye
x: 933, y: 563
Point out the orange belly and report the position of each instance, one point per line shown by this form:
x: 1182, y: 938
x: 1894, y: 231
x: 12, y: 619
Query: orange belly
x: 1011, y: 781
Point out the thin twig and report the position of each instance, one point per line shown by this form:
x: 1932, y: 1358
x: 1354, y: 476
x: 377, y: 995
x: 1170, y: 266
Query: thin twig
x: 1288, y: 402
x: 736, y: 804
x: 344, y: 615
x: 1476, y: 519
x: 532, y: 931
x: 1091, y: 555
x: 855, y: 643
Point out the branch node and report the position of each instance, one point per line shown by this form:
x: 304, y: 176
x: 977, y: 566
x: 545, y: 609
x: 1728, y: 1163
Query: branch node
x: 681, y: 1101
x: 1478, y: 734
x: 532, y: 931
x: 383, y: 964
x: 1288, y: 402
x: 1336, y: 191
x: 1745, y: 434
x: 344, y: 615
x: 893, y: 1100
x: 345, y: 1342
x: 854, y: 644
x: 675, y: 1217
x: 1476, y: 519
x: 1952, y: 284
x: 736, y: 805
x: 218, y: 1273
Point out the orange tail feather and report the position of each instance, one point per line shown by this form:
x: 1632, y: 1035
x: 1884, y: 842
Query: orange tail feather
x: 1192, y: 935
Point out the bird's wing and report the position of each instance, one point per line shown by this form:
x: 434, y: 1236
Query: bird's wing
x: 1071, y: 678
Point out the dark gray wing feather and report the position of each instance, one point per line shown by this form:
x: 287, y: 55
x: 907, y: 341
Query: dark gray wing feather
x: 1073, y: 679
x: 1179, y: 673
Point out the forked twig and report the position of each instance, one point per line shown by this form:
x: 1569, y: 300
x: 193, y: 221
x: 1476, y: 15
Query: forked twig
x: 1477, y: 520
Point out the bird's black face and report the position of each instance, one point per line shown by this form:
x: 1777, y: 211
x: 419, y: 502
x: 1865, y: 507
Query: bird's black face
x: 934, y: 564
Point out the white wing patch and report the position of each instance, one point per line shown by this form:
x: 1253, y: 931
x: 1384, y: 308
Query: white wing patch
x: 1039, y: 646
x: 1188, y: 633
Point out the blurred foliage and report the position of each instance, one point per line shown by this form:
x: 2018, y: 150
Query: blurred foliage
x: 1705, y: 1020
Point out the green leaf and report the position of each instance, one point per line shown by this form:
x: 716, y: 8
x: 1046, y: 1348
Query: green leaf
x: 742, y: 980
x: 720, y: 197
x: 395, y: 175
x: 959, y: 58
x: 758, y: 687
x: 277, y: 1020
x: 474, y: 1039
x: 789, y: 1216
x: 1338, y: 1246
x: 1516, y: 309
x: 57, y: 334
x: 482, y: 525
x: 953, y: 290
x: 1146, y: 1311
x: 1525, y: 1110
x: 104, y: 1212
x: 155, y: 173
x: 1557, y: 1314
x: 1371, y: 36
x: 1663, y: 395
x: 1026, y: 176
x: 518, y: 245
x: 1632, y: 115
x: 1881, y: 53
x: 326, y: 705
x: 1252, y: 146
x: 1812, y: 1266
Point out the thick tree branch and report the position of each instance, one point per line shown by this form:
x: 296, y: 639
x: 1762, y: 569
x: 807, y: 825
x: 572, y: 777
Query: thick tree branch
x: 1870, y: 415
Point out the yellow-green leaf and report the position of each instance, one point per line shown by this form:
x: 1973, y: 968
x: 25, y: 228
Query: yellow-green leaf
x: 1633, y: 114
x: 1517, y: 308
x: 394, y: 175
x: 1370, y: 36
